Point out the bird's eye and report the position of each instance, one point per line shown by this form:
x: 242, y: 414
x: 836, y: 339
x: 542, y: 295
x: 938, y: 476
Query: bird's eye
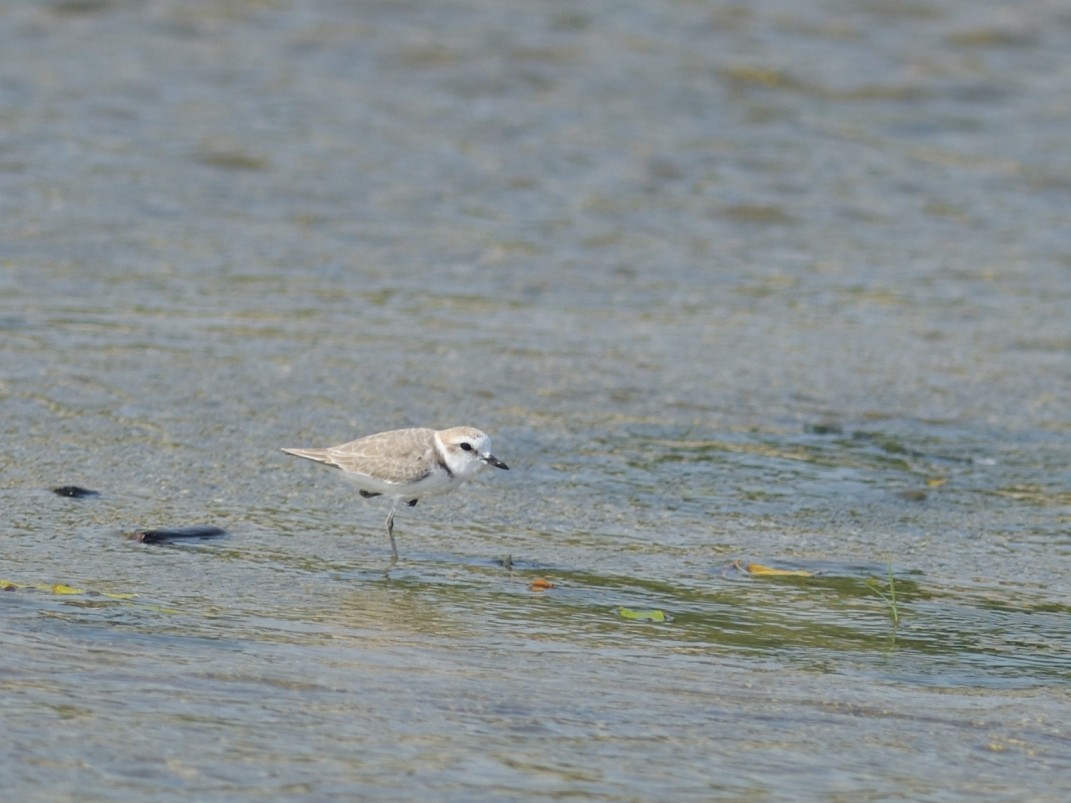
x: 465, y: 446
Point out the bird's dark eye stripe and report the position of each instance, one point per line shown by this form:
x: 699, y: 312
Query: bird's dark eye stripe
x: 465, y: 447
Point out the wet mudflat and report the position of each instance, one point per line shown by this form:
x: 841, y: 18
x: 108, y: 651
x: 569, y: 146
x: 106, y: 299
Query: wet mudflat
x: 728, y: 286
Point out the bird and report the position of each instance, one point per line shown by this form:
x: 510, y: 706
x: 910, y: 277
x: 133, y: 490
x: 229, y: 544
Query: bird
x: 406, y: 465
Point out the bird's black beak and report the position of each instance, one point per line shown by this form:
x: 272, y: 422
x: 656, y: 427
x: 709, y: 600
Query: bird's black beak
x: 494, y: 461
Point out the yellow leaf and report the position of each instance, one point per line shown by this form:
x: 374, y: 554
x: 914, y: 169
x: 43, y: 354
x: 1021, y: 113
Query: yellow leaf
x: 60, y: 588
x: 758, y: 568
x: 936, y: 482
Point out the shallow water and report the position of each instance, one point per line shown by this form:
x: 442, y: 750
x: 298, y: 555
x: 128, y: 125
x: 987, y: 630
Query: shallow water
x: 726, y: 284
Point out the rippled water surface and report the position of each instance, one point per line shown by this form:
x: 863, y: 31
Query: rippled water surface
x: 727, y: 283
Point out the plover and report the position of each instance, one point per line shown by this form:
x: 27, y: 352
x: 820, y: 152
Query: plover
x: 406, y: 465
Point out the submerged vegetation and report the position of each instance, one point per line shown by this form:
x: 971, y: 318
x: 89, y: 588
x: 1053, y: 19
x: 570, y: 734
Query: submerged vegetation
x: 887, y: 591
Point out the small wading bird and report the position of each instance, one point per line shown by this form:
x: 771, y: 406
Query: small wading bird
x: 406, y: 465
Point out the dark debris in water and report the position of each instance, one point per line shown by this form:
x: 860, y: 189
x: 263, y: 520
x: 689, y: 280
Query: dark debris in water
x: 823, y: 428
x: 913, y: 495
x: 166, y: 535
x: 74, y: 491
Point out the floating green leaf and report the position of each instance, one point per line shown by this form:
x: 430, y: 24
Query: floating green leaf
x: 654, y: 615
